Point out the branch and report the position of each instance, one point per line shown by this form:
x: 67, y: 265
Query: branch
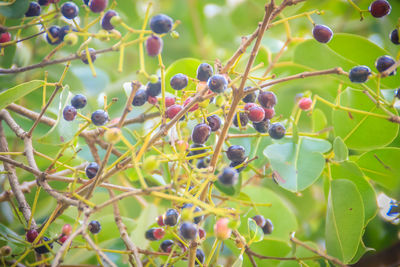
x: 98, y: 251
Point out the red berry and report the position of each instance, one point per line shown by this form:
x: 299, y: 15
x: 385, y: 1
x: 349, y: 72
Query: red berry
x: 169, y: 101
x: 248, y: 106
x: 154, y: 45
x: 173, y: 110
x: 5, y: 37
x: 305, y: 103
x: 98, y: 6
x: 67, y: 229
x: 193, y: 108
x: 182, y: 145
x: 158, y: 233
x: 160, y: 220
x: 221, y: 229
x: 152, y: 100
x: 31, y: 235
x: 202, y: 233
x: 269, y: 113
x: 256, y: 114
x: 379, y: 8
x: 63, y: 238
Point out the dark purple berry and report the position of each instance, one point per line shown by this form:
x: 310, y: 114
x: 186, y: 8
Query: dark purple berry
x: 33, y: 10
x: 54, y: 31
x: 79, y: 101
x: 383, y: 63
x: 44, y: 2
x: 31, y: 235
x: 214, y: 122
x: 249, y: 98
x: 161, y: 24
x: 153, y: 89
x: 200, y: 133
x: 217, y: 83
x: 43, y: 249
x: 397, y: 93
x: 276, y: 131
x: 171, y: 217
x: 106, y: 21
x: 98, y: 6
x: 166, y: 245
x: 322, y: 33
x: 91, y: 170
x: 69, y: 113
x: 64, y: 31
x: 229, y: 177
x: 267, y: 99
x: 203, y: 163
x: 233, y: 164
x: 262, y: 126
x: 179, y: 81
x: 379, y: 8
x: 86, y: 2
x: 154, y: 45
x: 188, y: 230
x: 236, y: 153
x: 84, y: 57
x: 140, y: 98
x: 359, y: 74
x: 69, y: 10
x: 268, y: 227
x: 200, y: 256
x: 204, y: 72
x: 260, y: 220
x: 94, y: 227
x: 244, y: 119
x: 394, y: 37
x: 99, y: 117
x: 197, y: 219
x: 154, y: 234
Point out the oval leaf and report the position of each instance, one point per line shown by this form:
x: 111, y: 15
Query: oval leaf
x: 15, y: 10
x: 340, y: 149
x: 13, y: 94
x: 256, y: 234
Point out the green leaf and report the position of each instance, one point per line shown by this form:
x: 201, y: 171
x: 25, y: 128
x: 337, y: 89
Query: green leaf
x: 319, y: 122
x: 7, y: 59
x: 298, y: 165
x: 187, y: 66
x: 238, y: 262
x: 256, y: 234
x: 301, y: 252
x: 362, y: 249
x: 13, y: 94
x: 344, y: 220
x: 382, y: 166
x: 340, y: 149
x: 352, y: 127
x: 16, y: 10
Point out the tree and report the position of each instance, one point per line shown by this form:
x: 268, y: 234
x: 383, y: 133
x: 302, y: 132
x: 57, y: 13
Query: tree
x: 150, y: 134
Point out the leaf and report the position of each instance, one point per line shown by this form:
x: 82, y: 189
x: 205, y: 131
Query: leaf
x: 230, y: 190
x: 319, y: 122
x: 187, y: 66
x: 13, y: 94
x: 238, y: 262
x: 256, y: 234
x: 301, y: 252
x: 352, y: 127
x: 16, y: 10
x: 7, y: 59
x: 299, y: 165
x: 344, y: 220
x: 340, y: 149
x: 362, y: 249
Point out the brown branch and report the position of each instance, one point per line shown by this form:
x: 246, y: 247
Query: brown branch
x: 98, y: 251
x: 93, y: 150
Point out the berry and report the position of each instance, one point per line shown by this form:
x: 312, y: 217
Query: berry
x: 71, y: 38
x: 154, y: 45
x: 106, y: 21
x: 196, y: 152
x: 262, y: 126
x: 86, y: 2
x: 154, y: 234
x: 152, y: 100
x: 173, y: 110
x: 322, y: 33
x: 236, y: 153
x: 181, y: 146
x: 160, y: 220
x: 359, y: 74
x: 63, y: 238
x: 194, y: 107
x: 140, y: 97
x: 383, y: 63
x: 67, y: 229
x: 256, y: 114
x: 202, y: 233
x: 200, y: 256
x: 99, y: 117
x: 31, y: 235
x: 214, y: 122
x: 233, y: 164
x: 221, y: 229
x: 98, y: 6
x: 92, y: 54
x: 5, y: 37
x: 379, y: 8
x: 69, y: 113
x: 161, y: 24
x: 54, y: 31
x: 269, y: 113
x: 79, y: 101
x: 44, y: 2
x: 188, y: 230
x: 394, y: 37
x: 179, y: 81
x: 217, y: 83
x: 5, y: 251
x: 33, y: 10
x: 244, y: 119
x: 276, y: 131
x: 63, y: 32
x: 397, y: 93
x: 203, y: 163
x: 166, y: 245
x: 112, y: 135
x: 229, y: 177
x: 268, y: 227
x: 305, y: 103
x: 43, y: 249
x: 91, y: 170
x: 171, y: 217
x: 249, y: 98
x: 197, y: 219
x: 267, y: 99
x: 200, y: 133
x: 69, y: 10
x: 94, y: 227
x: 153, y: 89
x: 248, y: 106
x: 260, y: 220
x: 169, y: 101
x: 204, y: 72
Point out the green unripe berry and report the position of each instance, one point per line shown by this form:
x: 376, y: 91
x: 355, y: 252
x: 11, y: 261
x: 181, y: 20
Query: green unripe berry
x: 219, y: 101
x: 115, y: 20
x: 175, y: 34
x: 71, y: 38
x: 153, y: 78
x: 113, y: 135
x: 150, y: 164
